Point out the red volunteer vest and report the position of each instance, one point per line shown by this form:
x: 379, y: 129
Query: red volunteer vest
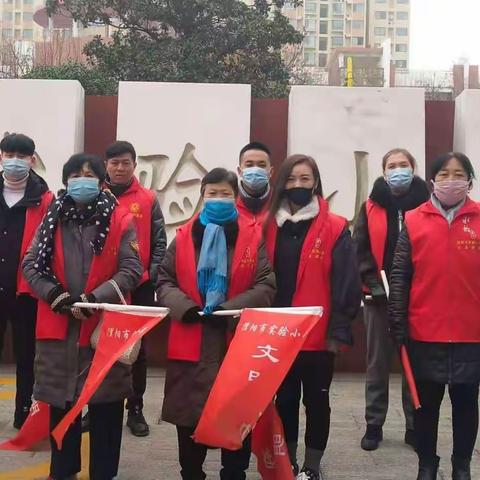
x: 250, y: 217
x: 445, y: 291
x: 313, y: 277
x: 185, y: 341
x: 139, y: 202
x: 53, y: 326
x: 377, y: 230
x: 33, y: 218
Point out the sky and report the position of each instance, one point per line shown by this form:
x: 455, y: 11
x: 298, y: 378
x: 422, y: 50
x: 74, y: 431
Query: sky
x: 442, y: 31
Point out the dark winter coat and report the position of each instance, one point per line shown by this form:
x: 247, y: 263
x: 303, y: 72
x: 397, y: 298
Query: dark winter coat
x: 188, y: 384
x: 439, y: 362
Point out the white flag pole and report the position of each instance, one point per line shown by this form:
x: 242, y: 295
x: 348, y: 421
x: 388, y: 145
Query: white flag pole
x: 113, y: 307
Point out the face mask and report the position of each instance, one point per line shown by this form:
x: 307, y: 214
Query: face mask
x: 15, y: 168
x: 451, y: 192
x: 255, y: 178
x: 218, y: 211
x: 83, y: 189
x: 299, y: 196
x: 399, y: 179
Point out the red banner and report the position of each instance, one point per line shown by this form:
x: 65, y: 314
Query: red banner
x: 34, y: 430
x: 262, y: 351
x: 120, y: 330
x: 270, y: 448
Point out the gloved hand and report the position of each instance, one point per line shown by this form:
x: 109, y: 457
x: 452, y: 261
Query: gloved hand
x: 192, y: 315
x: 60, y: 300
x: 377, y: 292
x: 83, y: 313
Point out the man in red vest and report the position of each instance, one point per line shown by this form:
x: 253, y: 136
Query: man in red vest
x: 24, y: 199
x: 255, y: 171
x: 143, y: 205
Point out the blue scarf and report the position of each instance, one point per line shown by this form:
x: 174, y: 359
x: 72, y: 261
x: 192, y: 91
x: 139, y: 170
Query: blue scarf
x: 213, y: 259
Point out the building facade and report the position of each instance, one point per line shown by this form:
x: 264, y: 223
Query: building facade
x: 16, y: 20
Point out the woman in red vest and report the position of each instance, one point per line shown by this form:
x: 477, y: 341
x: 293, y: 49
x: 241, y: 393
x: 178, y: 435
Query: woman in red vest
x: 84, y: 251
x: 376, y: 232
x: 215, y: 262
x: 314, y: 263
x: 434, y: 309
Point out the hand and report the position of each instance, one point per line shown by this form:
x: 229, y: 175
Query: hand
x: 192, y: 315
x: 83, y: 313
x: 379, y: 297
x: 60, y: 300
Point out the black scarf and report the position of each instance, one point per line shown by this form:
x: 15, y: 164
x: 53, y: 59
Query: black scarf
x: 100, y: 212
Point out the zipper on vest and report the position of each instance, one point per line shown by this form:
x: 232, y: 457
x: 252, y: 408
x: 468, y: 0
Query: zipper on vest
x: 400, y: 221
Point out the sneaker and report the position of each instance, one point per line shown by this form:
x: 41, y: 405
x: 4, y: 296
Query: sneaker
x: 410, y: 439
x: 137, y: 424
x: 85, y: 423
x: 372, y: 438
x: 307, y: 474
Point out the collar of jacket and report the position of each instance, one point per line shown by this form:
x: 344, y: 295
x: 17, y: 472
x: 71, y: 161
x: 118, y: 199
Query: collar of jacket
x: 36, y: 187
x: 305, y: 213
x: 231, y: 233
x: 469, y: 207
x: 416, y: 195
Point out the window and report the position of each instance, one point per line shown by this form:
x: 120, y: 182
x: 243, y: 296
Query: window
x: 310, y: 7
x: 309, y: 58
x: 337, y: 42
x: 324, y: 28
x: 27, y: 16
x: 337, y: 25
x: 7, y: 16
x: 18, y: 34
x: 338, y: 8
x: 380, y: 31
x: 8, y: 2
x: 322, y: 60
x: 401, y: 47
x: 7, y: 33
x: 18, y: 17
x: 402, y: 15
x: 28, y: 2
x: 310, y: 24
x: 402, y: 32
x: 357, y: 41
x: 309, y: 41
x: 323, y: 43
x: 380, y: 1
x: 357, y: 24
x: 358, y: 8
x: 323, y: 11
x: 402, y: 1
x: 401, y: 63
x: 28, y: 34
x: 379, y: 15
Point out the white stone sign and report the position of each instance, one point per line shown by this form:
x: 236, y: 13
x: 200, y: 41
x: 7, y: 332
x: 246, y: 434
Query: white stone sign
x: 348, y: 130
x: 467, y: 131
x: 180, y: 131
x: 52, y: 113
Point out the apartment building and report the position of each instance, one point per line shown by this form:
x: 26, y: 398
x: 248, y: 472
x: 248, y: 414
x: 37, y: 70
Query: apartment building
x: 16, y: 20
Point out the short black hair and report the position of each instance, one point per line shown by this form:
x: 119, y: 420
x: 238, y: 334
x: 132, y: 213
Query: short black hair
x: 77, y: 161
x: 120, y: 147
x: 255, y: 146
x: 17, y: 143
x: 441, y: 160
x: 218, y: 175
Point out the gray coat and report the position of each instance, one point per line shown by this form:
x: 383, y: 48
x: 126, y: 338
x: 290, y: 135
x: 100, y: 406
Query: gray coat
x: 61, y: 366
x: 188, y: 384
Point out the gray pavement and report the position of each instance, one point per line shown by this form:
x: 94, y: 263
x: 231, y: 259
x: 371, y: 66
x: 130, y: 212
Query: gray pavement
x: 154, y: 457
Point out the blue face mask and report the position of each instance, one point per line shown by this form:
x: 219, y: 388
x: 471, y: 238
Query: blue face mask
x: 83, y: 189
x: 399, y: 179
x: 218, y: 211
x: 255, y: 178
x: 15, y: 168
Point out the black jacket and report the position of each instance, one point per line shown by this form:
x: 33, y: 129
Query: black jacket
x: 345, y: 284
x: 12, y: 225
x: 439, y: 362
x: 381, y: 194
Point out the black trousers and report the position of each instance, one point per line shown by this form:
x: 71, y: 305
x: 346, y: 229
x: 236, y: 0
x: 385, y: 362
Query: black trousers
x: 314, y: 372
x: 143, y: 295
x: 192, y: 455
x: 21, y: 311
x: 464, y: 398
x: 106, y: 423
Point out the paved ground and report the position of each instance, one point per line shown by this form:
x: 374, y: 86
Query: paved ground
x: 154, y: 457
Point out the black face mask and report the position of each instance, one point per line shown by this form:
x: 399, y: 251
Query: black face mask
x: 299, y: 196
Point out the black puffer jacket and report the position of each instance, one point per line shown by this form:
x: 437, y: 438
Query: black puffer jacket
x: 381, y: 194
x: 439, y: 362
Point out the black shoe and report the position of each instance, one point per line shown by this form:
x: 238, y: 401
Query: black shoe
x: 137, y: 424
x: 461, y: 468
x: 20, y: 417
x: 410, y: 439
x: 372, y: 438
x: 85, y: 423
x: 428, y: 468
x: 307, y: 474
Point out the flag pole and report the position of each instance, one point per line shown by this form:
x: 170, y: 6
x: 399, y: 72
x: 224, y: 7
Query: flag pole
x: 113, y: 307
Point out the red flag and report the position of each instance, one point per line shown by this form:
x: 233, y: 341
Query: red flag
x: 35, y: 429
x: 262, y: 351
x: 270, y: 448
x: 120, y: 330
x: 408, y: 372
